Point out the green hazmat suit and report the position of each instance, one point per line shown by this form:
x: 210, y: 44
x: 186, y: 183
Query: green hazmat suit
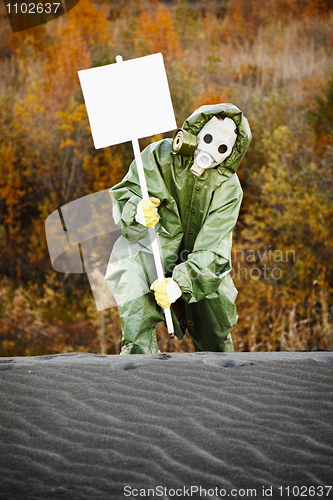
x: 197, y: 217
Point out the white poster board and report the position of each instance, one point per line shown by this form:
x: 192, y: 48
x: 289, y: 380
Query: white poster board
x: 127, y: 100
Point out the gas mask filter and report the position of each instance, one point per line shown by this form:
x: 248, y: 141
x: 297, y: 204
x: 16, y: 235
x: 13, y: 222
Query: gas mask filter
x: 211, y: 147
x: 184, y: 143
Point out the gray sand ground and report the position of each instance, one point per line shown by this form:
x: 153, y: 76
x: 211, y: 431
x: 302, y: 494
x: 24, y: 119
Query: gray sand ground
x: 243, y: 425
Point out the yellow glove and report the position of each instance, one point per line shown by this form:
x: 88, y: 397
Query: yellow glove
x: 166, y: 292
x: 147, y: 214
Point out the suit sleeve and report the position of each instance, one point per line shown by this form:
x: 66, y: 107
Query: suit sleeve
x: 126, y: 194
x: 210, y: 261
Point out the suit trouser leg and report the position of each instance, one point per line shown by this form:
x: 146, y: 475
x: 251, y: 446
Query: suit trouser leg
x: 129, y: 274
x: 210, y: 320
x: 139, y: 319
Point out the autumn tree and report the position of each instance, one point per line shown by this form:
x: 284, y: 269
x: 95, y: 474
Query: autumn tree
x: 155, y: 33
x: 320, y: 116
x: 48, y: 158
x: 290, y: 216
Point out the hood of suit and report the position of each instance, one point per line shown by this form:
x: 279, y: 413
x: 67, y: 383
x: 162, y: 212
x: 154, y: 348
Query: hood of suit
x: 202, y: 115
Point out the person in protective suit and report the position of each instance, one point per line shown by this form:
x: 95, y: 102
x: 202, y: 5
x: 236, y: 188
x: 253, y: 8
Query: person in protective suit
x: 195, y: 197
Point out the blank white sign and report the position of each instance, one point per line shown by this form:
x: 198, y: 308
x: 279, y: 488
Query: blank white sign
x: 127, y: 100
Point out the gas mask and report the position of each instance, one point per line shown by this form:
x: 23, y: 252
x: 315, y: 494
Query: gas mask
x: 212, y: 146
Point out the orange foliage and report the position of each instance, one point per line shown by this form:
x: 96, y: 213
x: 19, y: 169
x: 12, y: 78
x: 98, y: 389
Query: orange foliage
x: 89, y: 22
x: 211, y: 96
x: 60, y: 79
x: 286, y: 9
x: 103, y: 169
x: 20, y: 43
x: 48, y: 158
x: 235, y: 20
x: 157, y: 34
x: 314, y: 8
x: 12, y: 189
x: 86, y: 28
x: 243, y: 17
